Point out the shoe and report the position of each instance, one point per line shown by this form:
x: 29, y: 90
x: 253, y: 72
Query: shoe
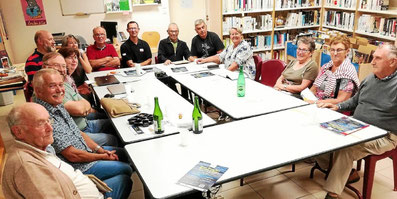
x: 353, y: 177
x: 330, y: 197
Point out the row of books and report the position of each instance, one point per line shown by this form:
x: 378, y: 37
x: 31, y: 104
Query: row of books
x: 304, y: 18
x: 341, y: 3
x: 374, y: 4
x: 263, y: 41
x: 296, y: 3
x: 248, y: 23
x: 377, y: 24
x: 277, y: 54
x: 246, y: 5
x: 339, y: 19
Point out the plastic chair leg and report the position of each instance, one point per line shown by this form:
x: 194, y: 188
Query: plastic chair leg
x: 369, y: 174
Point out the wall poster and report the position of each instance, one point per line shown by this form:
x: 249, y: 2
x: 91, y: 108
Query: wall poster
x: 33, y: 11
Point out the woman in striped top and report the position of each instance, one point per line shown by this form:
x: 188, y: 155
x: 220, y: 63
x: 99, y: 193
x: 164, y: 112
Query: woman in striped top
x: 337, y: 80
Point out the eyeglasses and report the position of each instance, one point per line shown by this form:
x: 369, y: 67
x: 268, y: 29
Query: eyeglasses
x: 134, y: 28
x: 339, y: 50
x: 56, y: 65
x: 99, y: 35
x: 41, y: 123
x: 54, y: 86
x: 303, y: 50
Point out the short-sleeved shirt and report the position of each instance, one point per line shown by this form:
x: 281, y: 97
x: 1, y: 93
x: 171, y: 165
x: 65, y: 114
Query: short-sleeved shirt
x: 95, y: 53
x: 138, y: 53
x: 72, y: 95
x: 242, y: 55
x: 309, y: 72
x: 66, y: 133
x: 167, y: 50
x: 206, y: 47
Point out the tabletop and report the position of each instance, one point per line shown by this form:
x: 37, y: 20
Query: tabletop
x: 281, y: 138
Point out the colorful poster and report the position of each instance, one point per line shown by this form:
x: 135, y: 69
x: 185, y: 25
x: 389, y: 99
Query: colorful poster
x: 33, y: 11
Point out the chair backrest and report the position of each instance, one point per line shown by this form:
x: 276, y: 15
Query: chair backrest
x: 156, y: 60
x: 258, y: 65
x: 152, y: 38
x: 270, y: 71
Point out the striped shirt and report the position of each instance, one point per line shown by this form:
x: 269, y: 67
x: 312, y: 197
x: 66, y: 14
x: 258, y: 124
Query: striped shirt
x: 33, y: 64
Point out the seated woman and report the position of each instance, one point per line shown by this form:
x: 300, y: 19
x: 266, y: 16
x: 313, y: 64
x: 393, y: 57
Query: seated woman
x: 301, y: 72
x: 83, y: 65
x: 237, y: 54
x: 337, y: 80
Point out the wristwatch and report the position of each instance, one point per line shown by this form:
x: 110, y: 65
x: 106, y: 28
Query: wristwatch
x: 285, y: 86
x: 96, y: 148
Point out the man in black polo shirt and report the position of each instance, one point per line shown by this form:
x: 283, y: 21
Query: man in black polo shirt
x: 134, y: 50
x: 205, y: 43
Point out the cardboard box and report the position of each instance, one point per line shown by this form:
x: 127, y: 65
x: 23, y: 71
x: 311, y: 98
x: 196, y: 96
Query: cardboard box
x: 6, y: 98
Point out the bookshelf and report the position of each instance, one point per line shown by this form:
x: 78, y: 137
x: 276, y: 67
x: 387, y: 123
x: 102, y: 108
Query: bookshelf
x: 267, y: 24
x: 259, y: 20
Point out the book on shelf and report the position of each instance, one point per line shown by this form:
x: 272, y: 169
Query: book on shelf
x: 344, y: 125
x: 202, y: 176
x: 374, y: 4
x: 246, y: 5
x: 339, y: 19
x: 341, y: 3
x: 378, y: 25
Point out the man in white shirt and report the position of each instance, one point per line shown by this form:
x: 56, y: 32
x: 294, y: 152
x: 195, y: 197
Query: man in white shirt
x: 33, y: 170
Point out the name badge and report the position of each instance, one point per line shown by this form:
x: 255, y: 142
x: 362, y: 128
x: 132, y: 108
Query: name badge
x: 141, y: 50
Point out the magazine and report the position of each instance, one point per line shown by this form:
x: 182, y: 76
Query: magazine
x: 202, y: 176
x: 202, y: 74
x: 179, y: 69
x: 344, y: 125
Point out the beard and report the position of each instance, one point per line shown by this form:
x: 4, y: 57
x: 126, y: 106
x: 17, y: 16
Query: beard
x: 49, y: 49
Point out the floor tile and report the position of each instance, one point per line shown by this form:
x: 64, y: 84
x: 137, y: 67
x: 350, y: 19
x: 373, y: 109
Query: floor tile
x: 298, y: 166
x: 137, y: 195
x: 240, y: 193
x: 278, y: 187
x: 261, y: 176
x: 137, y: 186
x: 229, y: 185
x: 302, y: 178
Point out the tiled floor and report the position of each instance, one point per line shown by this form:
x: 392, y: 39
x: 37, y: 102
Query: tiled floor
x: 274, y: 184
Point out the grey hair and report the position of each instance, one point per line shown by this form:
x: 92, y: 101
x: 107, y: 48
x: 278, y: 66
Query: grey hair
x: 392, y: 49
x: 198, y: 22
x: 97, y: 27
x: 308, y: 41
x: 173, y: 23
x: 38, y: 79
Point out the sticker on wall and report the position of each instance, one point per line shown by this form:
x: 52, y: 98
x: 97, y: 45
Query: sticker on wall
x: 33, y: 11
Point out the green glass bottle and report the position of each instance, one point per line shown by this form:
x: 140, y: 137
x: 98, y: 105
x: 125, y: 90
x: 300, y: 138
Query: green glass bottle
x: 157, y: 117
x: 241, y: 83
x: 197, y: 117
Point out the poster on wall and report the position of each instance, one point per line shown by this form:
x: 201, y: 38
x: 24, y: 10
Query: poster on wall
x: 33, y: 11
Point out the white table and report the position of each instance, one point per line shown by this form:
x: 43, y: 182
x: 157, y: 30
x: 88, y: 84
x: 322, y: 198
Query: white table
x: 281, y: 138
x: 222, y: 93
x: 170, y: 102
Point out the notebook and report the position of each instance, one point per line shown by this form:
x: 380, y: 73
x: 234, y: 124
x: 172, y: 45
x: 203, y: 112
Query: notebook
x: 106, y: 80
x: 116, y: 89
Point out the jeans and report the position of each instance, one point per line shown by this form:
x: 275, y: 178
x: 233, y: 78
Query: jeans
x: 116, y: 174
x: 101, y: 131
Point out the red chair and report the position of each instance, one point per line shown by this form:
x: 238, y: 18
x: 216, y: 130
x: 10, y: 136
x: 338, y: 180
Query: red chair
x: 156, y: 60
x: 28, y: 91
x: 258, y: 63
x: 369, y: 172
x: 270, y: 71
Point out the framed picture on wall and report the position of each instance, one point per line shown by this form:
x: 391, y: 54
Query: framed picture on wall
x: 5, y: 63
x: 122, y: 36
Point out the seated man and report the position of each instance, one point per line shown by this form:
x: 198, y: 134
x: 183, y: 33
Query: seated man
x: 45, y: 43
x: 205, y: 43
x: 33, y: 171
x: 172, y: 49
x: 376, y: 104
x: 70, y: 144
x: 134, y: 50
x: 100, y: 130
x: 102, y: 56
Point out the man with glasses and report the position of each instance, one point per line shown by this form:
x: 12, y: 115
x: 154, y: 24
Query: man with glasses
x: 134, y: 50
x: 100, y: 130
x: 172, y: 49
x: 45, y: 43
x: 376, y: 104
x: 102, y: 56
x: 74, y: 146
x: 33, y: 170
x: 205, y: 43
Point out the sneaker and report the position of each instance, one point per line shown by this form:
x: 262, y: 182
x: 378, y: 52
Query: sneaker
x: 353, y: 177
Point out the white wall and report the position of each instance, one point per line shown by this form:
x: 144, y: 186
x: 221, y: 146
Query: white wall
x: 21, y: 36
